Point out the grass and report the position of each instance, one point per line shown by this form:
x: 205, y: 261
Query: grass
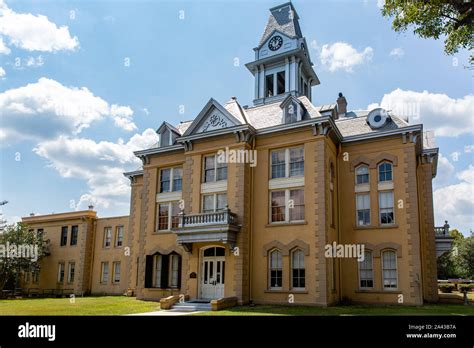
x: 434, y: 309
x: 106, y: 305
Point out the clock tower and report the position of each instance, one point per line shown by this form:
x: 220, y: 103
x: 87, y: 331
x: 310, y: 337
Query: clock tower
x: 282, y: 65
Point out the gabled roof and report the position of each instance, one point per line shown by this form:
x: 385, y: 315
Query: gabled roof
x: 284, y: 19
x: 212, y: 103
x: 169, y: 126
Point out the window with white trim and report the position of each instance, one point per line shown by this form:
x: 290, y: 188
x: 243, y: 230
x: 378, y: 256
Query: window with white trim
x: 104, y: 273
x: 166, y: 271
x: 287, y: 163
x: 287, y: 205
x: 389, y: 269
x: 107, y: 237
x: 275, y: 269
x: 385, y: 171
x: 171, y: 179
x: 214, y: 202
x: 116, y: 272
x: 118, y: 236
x: 61, y: 272
x: 386, y: 208
x: 363, y: 209
x: 366, y: 272
x: 167, y: 215
x: 71, y: 272
x: 297, y: 269
x: 362, y: 174
x: 213, y: 169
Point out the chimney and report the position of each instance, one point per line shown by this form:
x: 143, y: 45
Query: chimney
x: 341, y: 105
x: 91, y: 207
x: 32, y: 214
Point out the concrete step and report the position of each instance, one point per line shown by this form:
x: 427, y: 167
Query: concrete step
x: 191, y: 307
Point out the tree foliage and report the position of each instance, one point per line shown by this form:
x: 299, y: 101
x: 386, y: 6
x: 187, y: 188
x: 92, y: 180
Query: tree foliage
x: 435, y: 18
x: 12, y: 263
x: 459, y: 263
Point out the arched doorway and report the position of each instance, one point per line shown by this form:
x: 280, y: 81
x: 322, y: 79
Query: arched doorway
x: 212, y: 276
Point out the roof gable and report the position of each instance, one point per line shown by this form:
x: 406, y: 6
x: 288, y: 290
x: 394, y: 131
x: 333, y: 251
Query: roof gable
x: 212, y: 117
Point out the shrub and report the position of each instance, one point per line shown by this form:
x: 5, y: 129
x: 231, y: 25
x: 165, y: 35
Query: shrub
x: 446, y: 288
x: 466, y: 287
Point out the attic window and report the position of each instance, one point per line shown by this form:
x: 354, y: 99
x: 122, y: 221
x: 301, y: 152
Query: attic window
x: 165, y: 138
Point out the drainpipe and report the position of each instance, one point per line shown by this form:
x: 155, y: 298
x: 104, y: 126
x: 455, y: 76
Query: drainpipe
x: 339, y: 150
x: 251, y: 228
x: 93, y: 234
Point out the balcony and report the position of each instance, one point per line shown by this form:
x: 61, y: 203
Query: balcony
x: 218, y: 226
x: 443, y: 240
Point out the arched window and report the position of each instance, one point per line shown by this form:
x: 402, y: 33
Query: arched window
x: 275, y: 269
x: 297, y: 269
x: 389, y: 269
x: 385, y: 171
x: 366, y: 273
x: 362, y: 174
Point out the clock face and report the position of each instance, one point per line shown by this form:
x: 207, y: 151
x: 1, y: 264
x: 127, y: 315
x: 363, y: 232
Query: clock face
x: 275, y: 43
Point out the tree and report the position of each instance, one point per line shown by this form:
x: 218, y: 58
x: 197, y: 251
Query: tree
x: 459, y: 263
x: 21, y: 250
x: 435, y: 18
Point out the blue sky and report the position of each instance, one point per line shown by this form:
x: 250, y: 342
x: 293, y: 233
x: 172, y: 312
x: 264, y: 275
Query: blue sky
x: 83, y: 84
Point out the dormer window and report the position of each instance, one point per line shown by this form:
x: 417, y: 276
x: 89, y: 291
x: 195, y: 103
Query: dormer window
x: 293, y: 110
x: 168, y: 134
x: 165, y: 138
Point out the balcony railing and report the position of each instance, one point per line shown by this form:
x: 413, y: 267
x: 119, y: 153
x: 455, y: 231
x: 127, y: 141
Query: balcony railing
x: 442, y: 231
x: 220, y: 226
x: 224, y: 217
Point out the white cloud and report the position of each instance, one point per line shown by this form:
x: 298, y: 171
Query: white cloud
x: 3, y: 48
x: 446, y: 116
x: 380, y: 3
x: 100, y: 164
x: 397, y: 52
x: 34, y: 33
x: 2, y: 72
x: 445, y: 171
x: 454, y: 202
x: 341, y: 55
x: 47, y: 109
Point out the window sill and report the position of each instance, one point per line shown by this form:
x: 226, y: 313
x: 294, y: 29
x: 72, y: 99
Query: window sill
x: 285, y: 291
x: 162, y: 232
x: 278, y: 224
x: 370, y: 291
x: 375, y: 227
x: 163, y: 289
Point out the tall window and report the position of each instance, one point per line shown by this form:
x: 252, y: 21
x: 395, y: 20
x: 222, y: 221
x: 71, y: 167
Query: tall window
x: 297, y: 269
x: 332, y: 209
x: 116, y: 270
x: 385, y: 172
x: 63, y: 240
x: 107, y: 236
x: 363, y: 209
x: 214, y: 170
x: 386, y: 207
x: 366, y: 274
x: 280, y: 82
x: 71, y: 272
x: 287, y: 162
x: 362, y: 175
x: 214, y: 202
x: 104, y: 275
x: 40, y: 234
x: 74, y: 233
x: 269, y: 86
x: 287, y: 205
x: 275, y: 84
x: 389, y: 265
x: 171, y: 179
x: 276, y: 272
x: 61, y: 273
x: 166, y: 271
x: 168, y: 215
x: 119, y: 236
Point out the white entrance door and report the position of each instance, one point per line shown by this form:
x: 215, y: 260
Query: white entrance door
x: 212, y: 277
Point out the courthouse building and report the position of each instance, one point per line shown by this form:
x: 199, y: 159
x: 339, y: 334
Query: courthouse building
x: 319, y: 175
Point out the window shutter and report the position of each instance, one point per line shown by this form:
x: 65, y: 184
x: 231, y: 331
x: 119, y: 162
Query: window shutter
x: 149, y: 271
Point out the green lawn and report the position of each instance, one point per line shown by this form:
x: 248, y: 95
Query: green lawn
x: 106, y: 305
x: 436, y: 309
